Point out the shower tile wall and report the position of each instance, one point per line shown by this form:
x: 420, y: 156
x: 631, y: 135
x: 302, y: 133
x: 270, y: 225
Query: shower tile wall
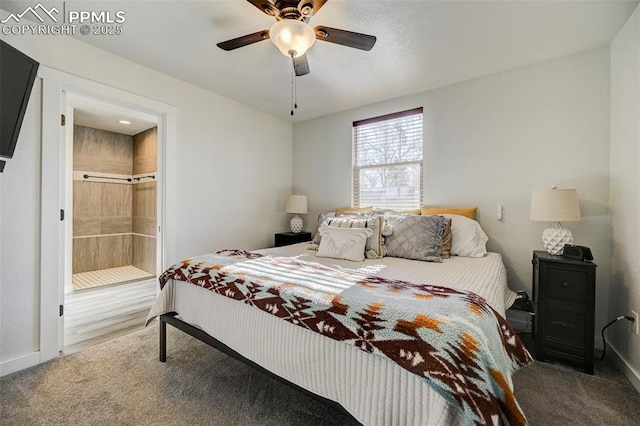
x: 107, y: 216
x: 145, y: 151
x: 101, y: 151
x: 101, y: 209
x: 144, y: 201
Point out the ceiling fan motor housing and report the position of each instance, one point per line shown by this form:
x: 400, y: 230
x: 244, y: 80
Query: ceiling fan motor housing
x: 289, y: 13
x: 289, y: 9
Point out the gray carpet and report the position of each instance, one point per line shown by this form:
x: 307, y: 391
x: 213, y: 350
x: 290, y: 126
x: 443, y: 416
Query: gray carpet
x: 123, y: 383
x: 559, y: 395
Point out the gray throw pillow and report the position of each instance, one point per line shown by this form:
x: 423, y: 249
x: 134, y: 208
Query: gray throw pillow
x: 416, y: 237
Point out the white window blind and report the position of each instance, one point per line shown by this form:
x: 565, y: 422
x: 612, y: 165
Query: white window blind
x: 387, y: 161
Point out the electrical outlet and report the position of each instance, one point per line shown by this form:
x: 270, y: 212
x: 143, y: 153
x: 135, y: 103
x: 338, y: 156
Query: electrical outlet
x: 636, y: 325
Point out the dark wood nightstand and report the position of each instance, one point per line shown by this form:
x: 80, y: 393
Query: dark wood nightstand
x: 564, y: 296
x: 288, y: 238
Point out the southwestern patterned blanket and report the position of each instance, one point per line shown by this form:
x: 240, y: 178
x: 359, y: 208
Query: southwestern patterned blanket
x: 453, y: 339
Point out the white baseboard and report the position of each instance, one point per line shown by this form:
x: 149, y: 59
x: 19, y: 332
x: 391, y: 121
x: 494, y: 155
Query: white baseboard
x: 629, y: 372
x: 19, y: 363
x: 597, y: 342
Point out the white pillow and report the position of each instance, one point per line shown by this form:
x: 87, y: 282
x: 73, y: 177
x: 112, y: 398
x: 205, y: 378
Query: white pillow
x: 374, y: 248
x: 343, y: 243
x: 467, y: 237
x: 321, y: 218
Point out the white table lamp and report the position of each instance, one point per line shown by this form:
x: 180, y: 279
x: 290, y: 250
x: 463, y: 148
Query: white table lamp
x: 555, y: 205
x: 296, y: 204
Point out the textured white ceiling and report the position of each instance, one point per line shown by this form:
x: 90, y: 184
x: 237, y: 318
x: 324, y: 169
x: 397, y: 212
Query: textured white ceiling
x: 421, y: 45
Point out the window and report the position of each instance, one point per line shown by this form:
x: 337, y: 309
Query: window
x: 387, y: 161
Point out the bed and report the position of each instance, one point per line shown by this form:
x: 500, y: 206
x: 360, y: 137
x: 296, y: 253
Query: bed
x: 220, y: 299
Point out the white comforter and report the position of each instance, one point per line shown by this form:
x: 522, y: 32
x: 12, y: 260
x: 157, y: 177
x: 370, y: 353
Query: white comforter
x: 374, y: 390
x: 484, y: 276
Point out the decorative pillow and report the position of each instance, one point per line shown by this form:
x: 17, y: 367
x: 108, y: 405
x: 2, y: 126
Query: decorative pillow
x: 343, y: 243
x: 322, y: 217
x: 416, y: 237
x: 446, y: 239
x: 386, y: 228
x: 469, y: 212
x: 467, y: 237
x: 374, y: 248
x: 351, y: 210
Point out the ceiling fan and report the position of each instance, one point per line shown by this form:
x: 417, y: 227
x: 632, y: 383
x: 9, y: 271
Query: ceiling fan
x: 292, y: 34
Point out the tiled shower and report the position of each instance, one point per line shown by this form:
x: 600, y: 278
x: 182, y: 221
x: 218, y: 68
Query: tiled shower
x: 114, y: 207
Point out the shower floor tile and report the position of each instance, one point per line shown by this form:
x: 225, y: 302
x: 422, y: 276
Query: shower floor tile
x: 122, y: 274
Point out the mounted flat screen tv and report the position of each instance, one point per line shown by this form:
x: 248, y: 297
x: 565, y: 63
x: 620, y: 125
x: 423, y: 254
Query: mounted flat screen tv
x: 17, y: 75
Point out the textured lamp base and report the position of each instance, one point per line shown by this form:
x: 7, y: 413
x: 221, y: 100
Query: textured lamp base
x: 555, y: 238
x: 296, y: 224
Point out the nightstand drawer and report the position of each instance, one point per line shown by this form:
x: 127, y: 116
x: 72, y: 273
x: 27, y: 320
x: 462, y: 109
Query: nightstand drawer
x: 565, y: 325
x: 566, y: 285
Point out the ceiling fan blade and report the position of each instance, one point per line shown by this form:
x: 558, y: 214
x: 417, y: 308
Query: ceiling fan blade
x: 308, y: 8
x: 345, y: 38
x: 265, y: 6
x: 300, y: 65
x: 244, y: 40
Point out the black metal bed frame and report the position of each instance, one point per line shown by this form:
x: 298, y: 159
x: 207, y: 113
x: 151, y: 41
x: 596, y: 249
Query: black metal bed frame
x: 170, y: 318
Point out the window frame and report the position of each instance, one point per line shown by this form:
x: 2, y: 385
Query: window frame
x: 355, y: 169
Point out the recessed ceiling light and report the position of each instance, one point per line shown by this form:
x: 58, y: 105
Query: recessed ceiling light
x: 125, y: 122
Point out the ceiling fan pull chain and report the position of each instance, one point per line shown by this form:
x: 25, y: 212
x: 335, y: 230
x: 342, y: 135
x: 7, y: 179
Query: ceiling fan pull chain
x: 295, y: 92
x: 292, y: 87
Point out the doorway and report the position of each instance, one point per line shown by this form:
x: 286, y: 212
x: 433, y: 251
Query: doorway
x: 56, y: 191
x: 112, y: 174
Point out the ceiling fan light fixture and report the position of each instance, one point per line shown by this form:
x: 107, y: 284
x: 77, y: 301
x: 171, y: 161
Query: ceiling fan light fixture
x: 292, y: 37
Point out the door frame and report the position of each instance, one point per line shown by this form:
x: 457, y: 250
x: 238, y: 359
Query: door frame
x: 55, y: 196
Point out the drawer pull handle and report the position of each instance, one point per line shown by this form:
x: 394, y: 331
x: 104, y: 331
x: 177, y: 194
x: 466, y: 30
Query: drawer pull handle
x: 566, y: 284
x: 563, y: 324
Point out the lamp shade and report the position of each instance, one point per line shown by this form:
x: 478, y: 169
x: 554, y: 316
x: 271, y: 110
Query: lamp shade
x: 555, y: 205
x: 292, y: 37
x: 297, y: 204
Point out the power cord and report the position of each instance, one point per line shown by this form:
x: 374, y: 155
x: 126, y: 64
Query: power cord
x: 526, y: 326
x: 604, y: 342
